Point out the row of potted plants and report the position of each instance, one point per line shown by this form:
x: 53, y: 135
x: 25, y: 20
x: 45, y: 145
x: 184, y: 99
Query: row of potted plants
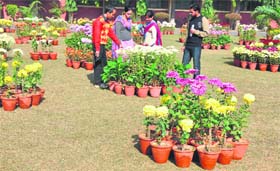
x: 46, y: 49
x: 143, y: 68
x: 21, y: 86
x: 257, y: 55
x: 205, y: 117
x: 247, y: 34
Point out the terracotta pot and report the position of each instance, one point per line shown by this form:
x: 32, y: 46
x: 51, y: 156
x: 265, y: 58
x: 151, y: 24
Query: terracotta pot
x: 36, y: 98
x: 44, y: 55
x: 227, y: 46
x: 18, y: 40
x: 25, y: 101
x: 111, y: 85
x: 55, y: 42
x: 118, y: 88
x: 237, y: 62
x: 89, y: 65
x: 129, y: 90
x: 206, y: 46
x: 274, y: 68
x: 9, y: 104
x: 144, y: 142
x: 252, y: 65
x: 219, y: 47
x: 241, y: 42
x: 207, y: 160
x: 239, y: 149
x: 76, y: 64
x: 176, y: 89
x: 163, y: 89
x: 262, y: 67
x: 155, y: 91
x: 35, y: 56
x: 213, y: 47
x: 161, y: 152
x: 143, y: 91
x: 53, y: 55
x: 225, y: 156
x: 69, y: 63
x: 42, y: 92
x: 183, y: 158
x: 244, y: 64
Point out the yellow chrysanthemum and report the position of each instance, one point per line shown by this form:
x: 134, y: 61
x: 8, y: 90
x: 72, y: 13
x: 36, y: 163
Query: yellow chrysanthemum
x: 162, y: 112
x: 33, y: 32
x: 270, y: 44
x: 29, y: 68
x: 8, y: 79
x: 211, y: 103
x: 248, y: 98
x: 16, y: 64
x: 1, y: 30
x: 22, y: 73
x: 186, y: 124
x: 44, y: 37
x: 5, y: 65
x: 219, y: 90
x: 221, y: 109
x: 164, y: 99
x: 232, y: 100
x: 149, y: 110
x: 231, y: 108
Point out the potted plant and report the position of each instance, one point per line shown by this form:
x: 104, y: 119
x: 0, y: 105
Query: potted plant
x: 89, y: 63
x: 52, y: 54
x: 239, y: 121
x: 184, y: 153
x: 35, y: 55
x: 129, y: 80
x: 24, y: 99
x: 44, y: 45
x: 54, y: 36
x: 274, y: 61
x: 152, y: 74
x: 12, y: 9
x: 9, y: 100
x: 263, y: 59
x: 146, y: 138
x: 252, y: 59
x: 161, y: 148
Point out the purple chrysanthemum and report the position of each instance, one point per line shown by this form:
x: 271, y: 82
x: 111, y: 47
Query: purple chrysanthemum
x: 172, y: 74
x: 228, y: 87
x: 215, y: 82
x: 191, y: 71
x: 198, y: 88
x: 201, y: 77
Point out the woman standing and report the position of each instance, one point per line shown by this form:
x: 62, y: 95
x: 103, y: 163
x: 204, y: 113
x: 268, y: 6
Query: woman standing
x: 122, y: 28
x: 152, y: 35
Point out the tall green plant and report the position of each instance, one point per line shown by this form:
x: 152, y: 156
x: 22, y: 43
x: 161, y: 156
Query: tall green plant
x: 32, y: 9
x: 141, y: 7
x: 207, y: 10
x: 12, y: 9
x: 71, y: 7
x: 263, y: 14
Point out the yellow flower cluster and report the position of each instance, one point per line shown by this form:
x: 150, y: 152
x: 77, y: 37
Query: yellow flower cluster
x: 31, y: 68
x: 4, y: 65
x: 55, y: 33
x: 149, y: 110
x: 248, y: 98
x: 82, y: 21
x: 1, y: 30
x: 186, y: 125
x: 231, y: 100
x: 214, y: 105
x: 22, y: 73
x: 162, y: 112
x: 164, y: 99
x: 16, y: 64
x: 211, y: 104
x: 8, y: 79
x: 223, y: 109
x: 33, y: 33
x: 5, y: 22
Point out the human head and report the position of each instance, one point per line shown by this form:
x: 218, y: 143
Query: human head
x: 195, y: 10
x: 110, y: 12
x: 127, y: 12
x: 149, y: 16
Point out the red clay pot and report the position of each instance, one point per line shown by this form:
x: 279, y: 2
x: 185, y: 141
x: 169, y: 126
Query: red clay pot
x: 252, y: 65
x: 9, y: 104
x: 44, y: 55
x: 207, y: 160
x: 53, y: 56
x: 239, y: 149
x: 144, y: 142
x: 129, y: 90
x: 36, y: 98
x: 76, y: 64
x: 225, y: 156
x: 155, y: 91
x: 262, y: 67
x: 118, y: 88
x: 69, y: 63
x: 183, y: 158
x: 244, y: 64
x: 142, y: 91
x: 161, y: 152
x: 35, y: 56
x: 111, y: 85
x: 274, y: 68
x: 25, y: 101
x: 89, y: 65
x: 55, y: 42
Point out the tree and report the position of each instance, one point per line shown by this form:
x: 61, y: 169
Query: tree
x: 71, y: 7
x: 264, y: 14
x: 208, y: 11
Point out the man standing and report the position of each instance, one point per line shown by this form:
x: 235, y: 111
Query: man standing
x: 101, y: 31
x: 198, y: 28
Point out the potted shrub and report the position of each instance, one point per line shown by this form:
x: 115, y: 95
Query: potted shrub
x: 146, y: 138
x: 161, y: 148
x: 44, y: 45
x: 9, y: 100
x: 184, y: 153
x: 24, y: 99
x: 129, y: 79
x: 252, y: 59
x: 152, y: 74
x: 35, y: 55
x: 263, y: 59
x: 12, y: 9
x: 52, y: 54
x: 89, y: 63
x: 54, y: 35
x: 274, y: 61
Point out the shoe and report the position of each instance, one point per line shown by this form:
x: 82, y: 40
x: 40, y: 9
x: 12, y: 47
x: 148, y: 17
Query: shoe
x: 103, y: 86
x: 96, y: 86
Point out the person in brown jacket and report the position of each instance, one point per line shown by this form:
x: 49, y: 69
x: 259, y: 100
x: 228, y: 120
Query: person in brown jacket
x: 198, y: 27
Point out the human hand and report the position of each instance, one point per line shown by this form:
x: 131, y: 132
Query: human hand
x: 97, y: 53
x: 193, y: 30
x: 183, y: 48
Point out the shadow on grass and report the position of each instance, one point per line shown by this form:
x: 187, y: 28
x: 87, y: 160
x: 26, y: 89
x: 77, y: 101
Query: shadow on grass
x: 90, y: 78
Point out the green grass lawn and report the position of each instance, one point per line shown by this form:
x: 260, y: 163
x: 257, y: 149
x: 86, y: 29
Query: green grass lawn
x: 80, y: 127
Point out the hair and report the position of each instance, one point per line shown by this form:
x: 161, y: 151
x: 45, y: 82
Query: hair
x: 195, y: 7
x: 126, y: 9
x: 150, y: 13
x: 109, y: 9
